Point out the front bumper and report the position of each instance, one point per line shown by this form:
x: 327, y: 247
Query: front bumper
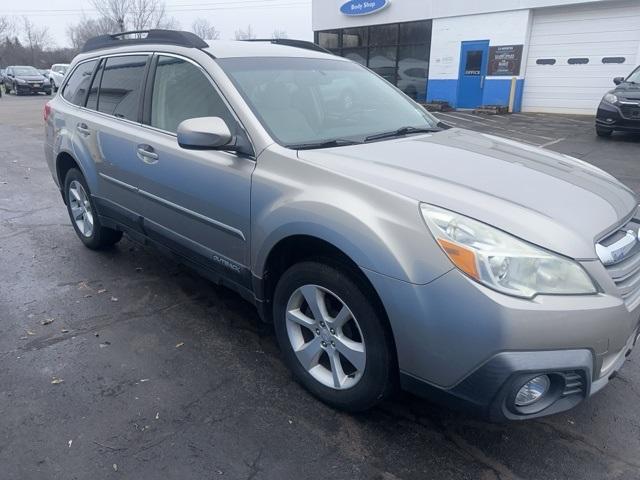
x: 611, y: 117
x: 466, y: 345
x: 32, y: 88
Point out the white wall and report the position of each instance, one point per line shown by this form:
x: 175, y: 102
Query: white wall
x: 327, y: 15
x: 505, y: 28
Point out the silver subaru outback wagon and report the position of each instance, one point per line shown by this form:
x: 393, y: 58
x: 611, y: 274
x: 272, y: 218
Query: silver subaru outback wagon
x: 388, y: 249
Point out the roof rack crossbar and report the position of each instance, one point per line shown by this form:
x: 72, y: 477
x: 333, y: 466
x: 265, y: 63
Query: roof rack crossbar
x: 157, y: 36
x: 307, y: 45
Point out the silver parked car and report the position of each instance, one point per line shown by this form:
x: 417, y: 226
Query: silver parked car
x: 386, y: 248
x: 57, y: 73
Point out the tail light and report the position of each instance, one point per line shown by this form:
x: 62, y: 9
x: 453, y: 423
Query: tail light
x: 47, y: 111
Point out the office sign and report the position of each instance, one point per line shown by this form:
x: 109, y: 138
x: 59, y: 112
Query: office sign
x: 354, y: 8
x: 505, y: 61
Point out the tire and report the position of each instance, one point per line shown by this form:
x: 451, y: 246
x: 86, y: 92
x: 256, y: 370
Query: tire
x: 82, y: 213
x: 365, y: 336
x: 603, y: 132
x: 48, y: 92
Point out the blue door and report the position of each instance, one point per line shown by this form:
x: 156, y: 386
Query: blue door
x: 474, y: 58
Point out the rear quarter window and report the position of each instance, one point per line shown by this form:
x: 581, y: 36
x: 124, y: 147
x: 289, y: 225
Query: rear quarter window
x: 75, y: 91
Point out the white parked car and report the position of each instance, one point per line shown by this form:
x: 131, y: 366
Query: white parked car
x: 57, y: 73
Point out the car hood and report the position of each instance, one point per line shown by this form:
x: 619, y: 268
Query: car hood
x: 552, y: 200
x: 627, y: 91
x: 31, y: 78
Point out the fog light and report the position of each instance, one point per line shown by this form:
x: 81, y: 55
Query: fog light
x: 533, y: 390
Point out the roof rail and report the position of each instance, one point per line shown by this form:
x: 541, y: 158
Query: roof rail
x: 291, y: 43
x: 168, y: 37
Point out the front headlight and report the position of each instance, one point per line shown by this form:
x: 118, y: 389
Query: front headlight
x: 501, y: 261
x: 20, y: 81
x: 610, y: 98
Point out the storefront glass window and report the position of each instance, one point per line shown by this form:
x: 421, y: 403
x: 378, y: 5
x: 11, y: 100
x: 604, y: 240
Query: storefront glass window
x: 397, y: 52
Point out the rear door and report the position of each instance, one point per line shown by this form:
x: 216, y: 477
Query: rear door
x: 201, y: 199
x: 115, y: 99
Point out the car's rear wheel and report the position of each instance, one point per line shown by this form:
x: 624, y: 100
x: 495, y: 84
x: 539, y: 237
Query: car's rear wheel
x: 603, y: 132
x: 332, y: 338
x: 83, y: 213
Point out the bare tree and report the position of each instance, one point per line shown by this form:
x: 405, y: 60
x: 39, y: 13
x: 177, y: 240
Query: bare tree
x: 247, y: 34
x: 34, y: 37
x: 204, y: 29
x: 6, y: 27
x: 115, y: 10
x: 86, y: 28
x: 279, y: 34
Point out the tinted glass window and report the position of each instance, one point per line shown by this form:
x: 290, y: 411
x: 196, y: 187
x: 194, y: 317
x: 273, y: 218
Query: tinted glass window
x: 92, y: 99
x: 413, y: 70
x: 415, y: 32
x: 76, y: 88
x: 330, y: 40
x: 182, y: 91
x: 354, y: 37
x: 121, y: 86
x: 474, y: 62
x: 356, y: 54
x: 383, y: 35
x: 382, y: 60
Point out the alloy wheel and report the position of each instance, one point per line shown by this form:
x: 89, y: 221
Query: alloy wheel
x: 81, y: 211
x: 325, y: 337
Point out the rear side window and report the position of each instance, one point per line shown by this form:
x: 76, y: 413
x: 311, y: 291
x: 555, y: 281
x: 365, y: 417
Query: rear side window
x: 92, y: 99
x: 76, y: 88
x: 182, y: 91
x: 121, y: 86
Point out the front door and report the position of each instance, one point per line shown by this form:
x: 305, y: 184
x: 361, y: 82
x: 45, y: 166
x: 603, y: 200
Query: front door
x: 197, y: 202
x: 474, y: 58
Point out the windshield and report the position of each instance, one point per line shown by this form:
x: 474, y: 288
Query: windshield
x: 25, y: 71
x: 310, y: 101
x: 634, y: 77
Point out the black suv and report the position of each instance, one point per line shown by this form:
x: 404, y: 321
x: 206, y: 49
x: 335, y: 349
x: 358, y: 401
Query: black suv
x: 620, y: 107
x: 26, y: 80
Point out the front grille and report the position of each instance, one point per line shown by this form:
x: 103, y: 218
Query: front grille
x: 624, y: 265
x: 631, y: 112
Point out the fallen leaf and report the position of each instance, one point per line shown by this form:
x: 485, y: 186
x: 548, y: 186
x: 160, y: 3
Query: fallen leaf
x: 70, y: 442
x: 114, y: 299
x: 144, y: 380
x: 179, y: 344
x: 56, y: 381
x: 115, y: 467
x: 157, y: 415
x: 47, y: 321
x: 64, y: 330
x: 29, y: 332
x: 102, y: 290
x: 105, y: 344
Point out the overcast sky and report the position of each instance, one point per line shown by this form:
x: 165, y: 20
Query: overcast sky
x: 265, y: 16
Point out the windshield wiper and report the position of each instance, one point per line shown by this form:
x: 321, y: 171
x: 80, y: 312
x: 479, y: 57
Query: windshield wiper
x: 338, y: 142
x: 400, y: 132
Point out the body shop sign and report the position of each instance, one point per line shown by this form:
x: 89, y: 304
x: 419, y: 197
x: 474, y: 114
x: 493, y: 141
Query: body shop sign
x: 354, y: 8
x: 505, y: 60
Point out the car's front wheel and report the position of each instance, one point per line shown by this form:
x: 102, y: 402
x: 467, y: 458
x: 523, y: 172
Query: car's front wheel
x: 83, y: 213
x: 336, y: 343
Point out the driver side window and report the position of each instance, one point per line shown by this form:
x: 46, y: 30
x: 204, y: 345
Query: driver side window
x: 182, y: 91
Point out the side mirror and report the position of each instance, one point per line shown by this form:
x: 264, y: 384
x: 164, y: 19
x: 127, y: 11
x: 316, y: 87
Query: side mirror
x: 618, y: 80
x: 204, y: 133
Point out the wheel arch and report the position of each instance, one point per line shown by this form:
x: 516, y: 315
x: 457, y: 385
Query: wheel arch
x: 303, y: 247
x: 65, y: 161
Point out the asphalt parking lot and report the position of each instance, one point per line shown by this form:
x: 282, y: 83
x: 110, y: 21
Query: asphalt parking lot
x: 148, y: 371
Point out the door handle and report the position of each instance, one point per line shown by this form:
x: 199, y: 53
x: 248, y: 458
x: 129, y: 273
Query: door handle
x: 83, y: 129
x: 147, y: 154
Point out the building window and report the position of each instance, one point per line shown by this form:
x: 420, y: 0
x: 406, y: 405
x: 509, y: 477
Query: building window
x: 613, y: 60
x: 398, y: 52
x: 546, y: 61
x: 578, y: 61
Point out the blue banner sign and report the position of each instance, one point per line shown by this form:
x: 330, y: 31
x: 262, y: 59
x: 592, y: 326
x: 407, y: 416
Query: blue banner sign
x: 363, y: 7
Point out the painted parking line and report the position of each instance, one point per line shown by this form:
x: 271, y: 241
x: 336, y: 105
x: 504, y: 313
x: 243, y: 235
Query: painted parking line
x: 477, y: 118
x: 548, y: 144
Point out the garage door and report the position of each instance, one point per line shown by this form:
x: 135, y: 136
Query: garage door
x: 574, y: 53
